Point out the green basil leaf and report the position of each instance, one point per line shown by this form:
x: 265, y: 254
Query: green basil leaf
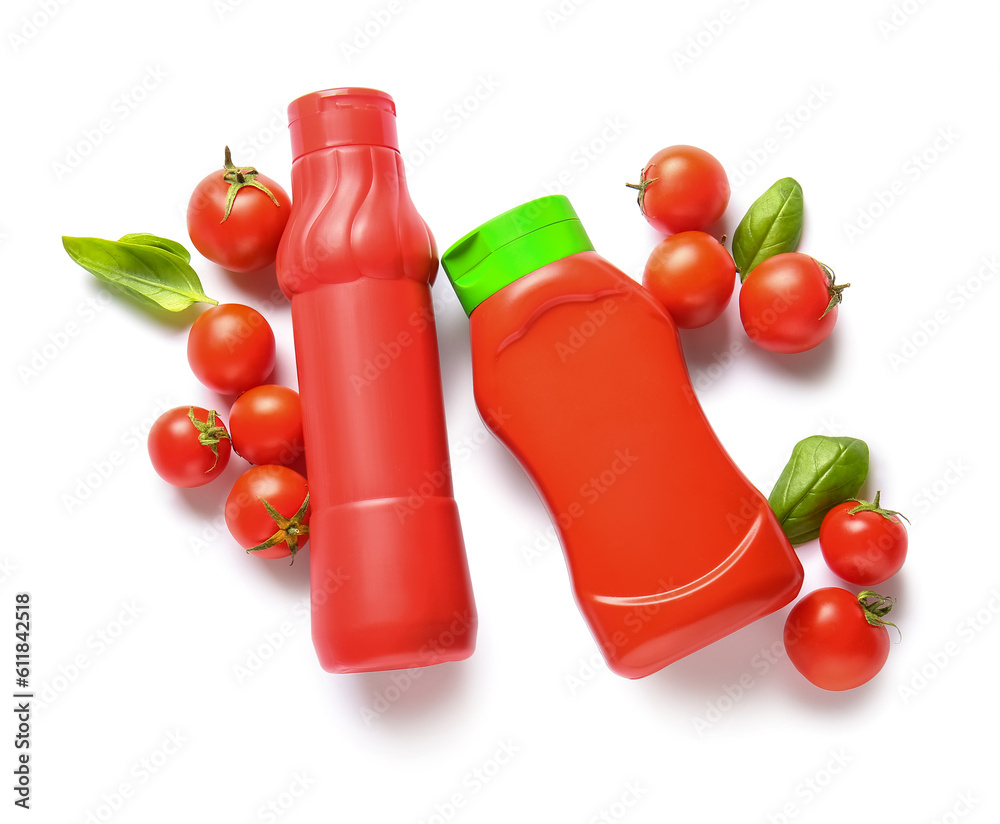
x: 772, y: 225
x: 149, y: 273
x: 171, y: 246
x: 821, y: 473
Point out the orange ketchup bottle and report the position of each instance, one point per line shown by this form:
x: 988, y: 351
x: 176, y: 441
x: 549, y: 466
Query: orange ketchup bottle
x: 579, y: 373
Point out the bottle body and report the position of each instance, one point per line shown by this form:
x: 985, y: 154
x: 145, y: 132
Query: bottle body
x: 669, y: 547
x: 389, y: 576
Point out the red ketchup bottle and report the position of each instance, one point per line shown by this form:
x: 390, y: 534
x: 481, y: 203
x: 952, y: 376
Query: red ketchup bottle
x: 389, y: 577
x: 579, y: 372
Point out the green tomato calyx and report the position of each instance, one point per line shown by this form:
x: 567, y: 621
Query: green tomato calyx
x: 836, y: 290
x: 238, y: 178
x: 289, y: 529
x: 209, y: 433
x: 874, y: 506
x: 875, y: 607
x: 641, y: 186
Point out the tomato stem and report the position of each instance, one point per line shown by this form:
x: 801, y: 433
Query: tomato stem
x: 836, y: 290
x: 289, y: 529
x: 641, y: 186
x: 875, y: 607
x: 238, y: 178
x: 209, y: 433
x: 874, y: 506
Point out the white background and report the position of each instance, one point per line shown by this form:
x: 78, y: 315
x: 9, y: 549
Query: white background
x: 174, y: 675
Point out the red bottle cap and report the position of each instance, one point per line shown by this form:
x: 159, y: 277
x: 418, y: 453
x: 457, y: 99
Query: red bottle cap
x: 342, y: 117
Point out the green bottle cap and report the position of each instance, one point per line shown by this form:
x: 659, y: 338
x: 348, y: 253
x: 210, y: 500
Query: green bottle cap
x: 511, y: 245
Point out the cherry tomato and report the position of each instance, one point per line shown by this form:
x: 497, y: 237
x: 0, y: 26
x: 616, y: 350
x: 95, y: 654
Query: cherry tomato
x: 788, y: 303
x: 267, y: 511
x: 682, y: 188
x: 863, y: 543
x: 236, y: 216
x: 265, y: 424
x: 188, y: 446
x: 231, y: 348
x: 693, y: 276
x: 829, y: 639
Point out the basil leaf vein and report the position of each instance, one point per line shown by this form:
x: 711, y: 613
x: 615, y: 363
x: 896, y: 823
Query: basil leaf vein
x: 152, y: 270
x: 821, y: 473
x: 771, y: 226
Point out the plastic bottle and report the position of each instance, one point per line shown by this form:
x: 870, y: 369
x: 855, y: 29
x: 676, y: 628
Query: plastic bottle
x: 389, y: 576
x: 579, y: 372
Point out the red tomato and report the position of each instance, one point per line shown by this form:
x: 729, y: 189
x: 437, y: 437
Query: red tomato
x: 267, y: 511
x: 246, y: 237
x: 682, y: 188
x: 693, y: 276
x: 265, y: 424
x: 863, y: 543
x: 231, y: 348
x: 830, y: 641
x: 788, y: 303
x: 188, y: 446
